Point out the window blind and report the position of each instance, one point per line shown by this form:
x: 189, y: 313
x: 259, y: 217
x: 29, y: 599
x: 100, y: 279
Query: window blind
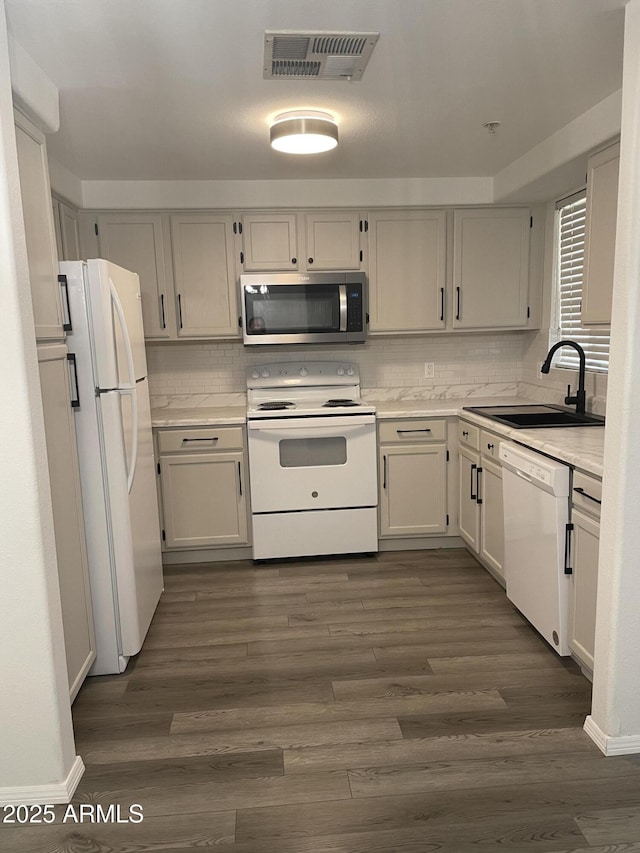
x: 570, y: 236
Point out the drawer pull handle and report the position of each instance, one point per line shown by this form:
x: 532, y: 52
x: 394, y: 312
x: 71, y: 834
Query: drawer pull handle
x: 489, y: 446
x: 402, y: 431
x: 212, y: 438
x: 584, y: 494
x: 465, y: 433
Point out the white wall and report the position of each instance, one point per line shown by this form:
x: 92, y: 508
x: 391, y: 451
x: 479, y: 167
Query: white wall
x: 37, y: 759
x: 614, y: 723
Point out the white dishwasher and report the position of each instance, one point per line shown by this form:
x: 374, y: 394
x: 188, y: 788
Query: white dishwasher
x: 536, y: 530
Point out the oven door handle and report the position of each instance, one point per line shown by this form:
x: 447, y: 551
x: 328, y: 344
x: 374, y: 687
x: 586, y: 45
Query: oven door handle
x: 331, y: 428
x: 343, y: 307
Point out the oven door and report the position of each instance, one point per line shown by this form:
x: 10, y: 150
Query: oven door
x: 312, y: 463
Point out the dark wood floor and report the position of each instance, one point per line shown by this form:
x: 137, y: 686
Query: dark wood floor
x: 367, y: 705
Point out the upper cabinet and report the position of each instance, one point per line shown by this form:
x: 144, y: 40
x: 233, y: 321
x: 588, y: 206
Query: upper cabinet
x: 39, y: 230
x: 65, y: 219
x: 300, y: 242
x: 205, y: 278
x: 269, y: 242
x: 140, y: 242
x: 333, y: 240
x: 600, y: 235
x: 407, y: 260
x: 490, y: 268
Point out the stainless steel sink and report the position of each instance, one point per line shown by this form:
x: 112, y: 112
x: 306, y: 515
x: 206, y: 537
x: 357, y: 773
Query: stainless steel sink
x: 535, y: 416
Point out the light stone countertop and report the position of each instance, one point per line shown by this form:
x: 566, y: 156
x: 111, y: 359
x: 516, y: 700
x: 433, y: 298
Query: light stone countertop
x: 581, y: 447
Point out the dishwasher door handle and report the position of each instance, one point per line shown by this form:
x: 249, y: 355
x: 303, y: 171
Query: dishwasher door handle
x: 523, y: 475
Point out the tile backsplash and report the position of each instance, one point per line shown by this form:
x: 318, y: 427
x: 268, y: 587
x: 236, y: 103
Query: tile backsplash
x: 460, y: 362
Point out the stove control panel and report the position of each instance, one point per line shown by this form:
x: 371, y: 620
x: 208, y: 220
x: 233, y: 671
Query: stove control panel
x: 308, y: 373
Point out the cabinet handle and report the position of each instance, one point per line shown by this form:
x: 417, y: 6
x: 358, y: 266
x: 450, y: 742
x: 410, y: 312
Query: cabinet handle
x: 442, y: 304
x: 211, y: 438
x: 478, y: 498
x: 384, y: 471
x: 471, y: 495
x: 567, y: 548
x: 489, y: 446
x: 402, y: 431
x: 465, y: 433
x: 457, y: 303
x: 294, y: 260
x: 584, y: 494
x: 66, y: 322
x: 180, y: 309
x: 162, y: 317
x: 309, y: 260
x: 75, y: 400
x: 240, y: 477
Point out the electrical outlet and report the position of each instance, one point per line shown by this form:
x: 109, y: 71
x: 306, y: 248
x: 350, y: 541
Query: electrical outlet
x: 429, y: 370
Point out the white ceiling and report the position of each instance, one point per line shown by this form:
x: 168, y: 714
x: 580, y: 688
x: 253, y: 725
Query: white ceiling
x: 173, y: 89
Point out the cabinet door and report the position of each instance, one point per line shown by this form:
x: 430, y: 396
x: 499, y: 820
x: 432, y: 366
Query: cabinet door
x: 600, y: 236
x: 490, y: 268
x: 136, y: 241
x: 69, y: 232
x: 469, y: 517
x: 584, y: 587
x: 413, y: 493
x: 73, y: 573
x: 203, y: 497
x: 333, y: 240
x: 492, y: 516
x: 39, y: 230
x: 269, y: 242
x: 204, y: 270
x: 407, y: 254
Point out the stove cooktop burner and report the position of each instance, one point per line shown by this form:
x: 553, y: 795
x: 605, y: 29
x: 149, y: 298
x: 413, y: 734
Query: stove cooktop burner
x: 337, y: 402
x: 275, y: 405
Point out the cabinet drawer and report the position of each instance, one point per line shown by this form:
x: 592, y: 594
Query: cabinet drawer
x: 489, y: 444
x: 200, y: 439
x: 586, y: 493
x: 469, y: 434
x: 411, y: 431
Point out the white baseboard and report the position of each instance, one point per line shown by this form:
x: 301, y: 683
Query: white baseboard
x: 620, y: 745
x: 57, y: 792
x: 427, y: 543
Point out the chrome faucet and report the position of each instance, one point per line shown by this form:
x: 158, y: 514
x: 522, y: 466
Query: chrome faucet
x: 580, y: 397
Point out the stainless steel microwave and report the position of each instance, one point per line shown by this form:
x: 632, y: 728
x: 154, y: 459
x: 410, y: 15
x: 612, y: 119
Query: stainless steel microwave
x: 304, y: 308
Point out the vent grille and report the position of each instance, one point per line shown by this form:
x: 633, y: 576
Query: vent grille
x: 294, y: 68
x: 290, y: 55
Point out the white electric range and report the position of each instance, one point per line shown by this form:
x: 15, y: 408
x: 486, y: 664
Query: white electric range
x: 312, y: 460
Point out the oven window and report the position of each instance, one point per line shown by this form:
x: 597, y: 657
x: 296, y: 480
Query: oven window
x: 311, y: 452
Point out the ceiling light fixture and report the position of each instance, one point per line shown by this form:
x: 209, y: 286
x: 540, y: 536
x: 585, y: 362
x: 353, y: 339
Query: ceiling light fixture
x: 304, y: 132
x: 491, y: 126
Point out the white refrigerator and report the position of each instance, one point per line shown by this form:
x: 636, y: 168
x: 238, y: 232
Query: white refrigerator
x: 115, y: 451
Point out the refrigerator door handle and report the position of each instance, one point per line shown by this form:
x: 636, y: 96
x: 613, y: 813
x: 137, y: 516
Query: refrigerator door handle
x: 131, y: 387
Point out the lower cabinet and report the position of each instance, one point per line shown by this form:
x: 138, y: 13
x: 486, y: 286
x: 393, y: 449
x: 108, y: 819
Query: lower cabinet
x: 66, y: 498
x: 204, y: 487
x: 413, y: 477
x: 480, y: 518
x: 585, y: 517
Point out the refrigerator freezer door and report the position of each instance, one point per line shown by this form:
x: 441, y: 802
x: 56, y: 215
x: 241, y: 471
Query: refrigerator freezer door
x: 112, y: 363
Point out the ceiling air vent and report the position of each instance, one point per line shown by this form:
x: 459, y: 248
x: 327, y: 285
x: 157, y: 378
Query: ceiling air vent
x: 290, y: 55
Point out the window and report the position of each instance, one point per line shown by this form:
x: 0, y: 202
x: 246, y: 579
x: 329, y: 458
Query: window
x: 569, y: 264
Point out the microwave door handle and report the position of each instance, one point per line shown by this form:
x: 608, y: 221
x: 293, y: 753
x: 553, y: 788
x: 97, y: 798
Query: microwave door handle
x: 343, y: 307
